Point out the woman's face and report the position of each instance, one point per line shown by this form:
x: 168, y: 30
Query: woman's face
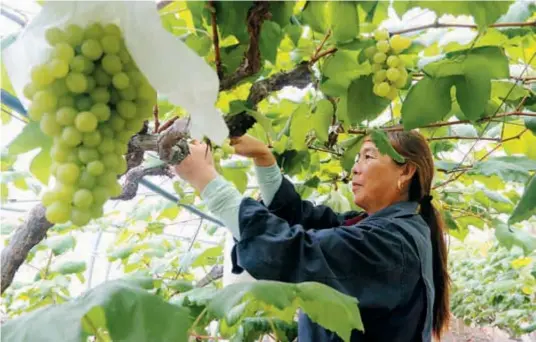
x: 375, y: 179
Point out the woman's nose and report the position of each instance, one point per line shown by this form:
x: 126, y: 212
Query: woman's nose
x: 356, y: 169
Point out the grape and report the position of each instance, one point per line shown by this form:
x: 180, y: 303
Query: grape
x: 110, y: 161
x: 146, y: 92
x: 122, y: 165
x: 71, y: 136
x: 73, y: 158
x: 66, y: 101
x: 124, y: 136
x: 91, y: 83
x: 96, y: 211
x: 100, y: 94
x: 80, y: 217
x: 59, y: 87
x: 87, y: 181
x: 370, y: 52
x: 114, y: 96
x: 29, y: 90
x: 121, y: 148
x: 59, y: 154
x: 53, y: 168
x: 35, y: 113
x: 126, y: 109
x: 58, y: 212
x: 393, y: 74
x: 135, y: 77
x: 64, y: 192
x: 379, y: 57
x: 48, y: 198
x: 101, y: 111
x: 45, y: 100
x: 68, y: 173
x: 41, y: 75
x: 379, y: 76
x: 106, y: 179
x: 92, y: 49
x: 58, y: 68
x: 94, y: 31
x: 49, y: 126
x: 399, y: 43
x: 120, y: 80
x: 80, y: 64
x: 376, y: 67
x: 117, y: 123
x: 392, y: 94
x: 383, y: 46
x: 74, y: 34
x: 111, y: 44
x: 76, y: 82
x: 83, y: 198
x: 381, y: 34
x: 111, y: 64
x: 124, y: 56
x: 102, y: 78
x: 106, y: 132
x: 112, y: 30
x: 95, y: 168
x: 65, y: 116
x: 115, y: 189
x: 393, y: 61
x: 129, y: 93
x: 85, y: 122
x: 92, y: 139
x: 400, y: 83
x: 134, y: 125
x: 100, y: 195
x: 382, y: 89
x: 106, y: 145
x: 83, y: 103
x: 63, y: 51
x: 228, y: 149
x: 87, y: 155
x: 54, y: 35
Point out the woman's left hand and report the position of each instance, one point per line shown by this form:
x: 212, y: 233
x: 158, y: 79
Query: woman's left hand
x: 198, y: 167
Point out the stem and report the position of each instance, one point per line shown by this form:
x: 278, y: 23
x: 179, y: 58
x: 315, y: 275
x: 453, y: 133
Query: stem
x: 442, y: 25
x: 463, y: 138
x: 45, y: 273
x: 167, y: 124
x: 98, y: 337
x: 322, y: 54
x: 215, y: 39
x: 198, y: 319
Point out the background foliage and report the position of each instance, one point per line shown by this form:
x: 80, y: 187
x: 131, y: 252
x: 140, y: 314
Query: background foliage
x: 471, y: 92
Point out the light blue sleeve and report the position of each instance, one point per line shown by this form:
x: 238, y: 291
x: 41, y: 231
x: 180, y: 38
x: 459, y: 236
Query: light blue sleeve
x: 269, y: 179
x: 223, y: 199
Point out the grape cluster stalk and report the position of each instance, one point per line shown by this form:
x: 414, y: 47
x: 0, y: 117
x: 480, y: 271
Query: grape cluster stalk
x: 389, y: 72
x: 91, y: 98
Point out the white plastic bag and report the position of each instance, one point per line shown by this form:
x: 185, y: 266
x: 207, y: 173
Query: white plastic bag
x: 172, y: 68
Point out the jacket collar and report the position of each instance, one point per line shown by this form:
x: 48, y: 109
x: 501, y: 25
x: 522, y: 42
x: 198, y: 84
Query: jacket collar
x: 399, y: 209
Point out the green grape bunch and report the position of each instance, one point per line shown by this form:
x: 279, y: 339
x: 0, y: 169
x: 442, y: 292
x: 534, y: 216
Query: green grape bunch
x: 389, y: 72
x: 91, y: 98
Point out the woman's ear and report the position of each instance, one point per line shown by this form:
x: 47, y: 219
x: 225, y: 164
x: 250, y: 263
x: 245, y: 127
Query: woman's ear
x: 407, y: 171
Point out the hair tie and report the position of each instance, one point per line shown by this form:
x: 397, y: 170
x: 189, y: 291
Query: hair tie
x: 427, y: 199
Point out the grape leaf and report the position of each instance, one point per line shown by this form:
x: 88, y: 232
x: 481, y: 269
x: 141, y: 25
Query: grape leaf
x: 380, y: 139
x: 329, y: 308
x: 282, y: 11
x: 231, y: 18
x: 130, y: 314
x: 314, y: 15
x: 60, y: 244
x: 28, y: 139
x: 507, y: 91
x: 353, y: 147
x: 526, y: 207
x: 322, y: 119
x: 271, y: 35
x: 237, y: 176
x: 345, y: 21
x: 299, y: 127
x: 530, y: 123
x: 361, y: 103
x: 69, y: 267
x: 473, y: 92
x: 427, y: 102
x: 509, y: 168
x: 40, y: 164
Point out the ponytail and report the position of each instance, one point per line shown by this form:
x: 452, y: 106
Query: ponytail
x: 441, y: 308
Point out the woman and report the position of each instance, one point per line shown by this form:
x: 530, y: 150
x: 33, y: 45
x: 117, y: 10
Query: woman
x: 392, y: 257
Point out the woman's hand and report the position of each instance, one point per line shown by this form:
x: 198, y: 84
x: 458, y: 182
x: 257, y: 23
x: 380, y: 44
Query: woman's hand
x: 198, y: 167
x: 249, y: 147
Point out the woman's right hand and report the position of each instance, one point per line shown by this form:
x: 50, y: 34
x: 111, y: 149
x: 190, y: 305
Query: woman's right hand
x: 249, y: 147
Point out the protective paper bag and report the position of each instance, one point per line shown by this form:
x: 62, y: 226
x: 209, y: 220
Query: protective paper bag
x: 172, y: 68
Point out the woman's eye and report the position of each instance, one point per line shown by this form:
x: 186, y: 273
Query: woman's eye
x: 368, y: 156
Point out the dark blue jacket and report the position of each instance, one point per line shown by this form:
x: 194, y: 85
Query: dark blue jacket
x: 384, y: 260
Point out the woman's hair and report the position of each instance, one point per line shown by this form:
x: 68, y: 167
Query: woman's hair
x: 414, y: 147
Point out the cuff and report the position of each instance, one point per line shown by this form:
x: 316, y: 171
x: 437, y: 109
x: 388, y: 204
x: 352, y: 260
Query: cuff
x: 269, y: 179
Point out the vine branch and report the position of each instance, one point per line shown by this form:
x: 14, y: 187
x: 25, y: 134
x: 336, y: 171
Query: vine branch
x: 215, y: 39
x: 445, y: 25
